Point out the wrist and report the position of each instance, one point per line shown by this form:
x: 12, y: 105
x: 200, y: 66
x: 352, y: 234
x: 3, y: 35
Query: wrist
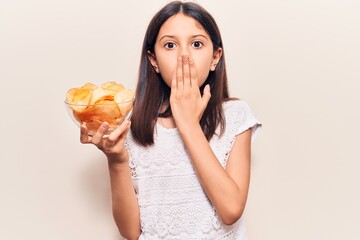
x: 121, y: 158
x: 189, y: 128
x: 118, y: 167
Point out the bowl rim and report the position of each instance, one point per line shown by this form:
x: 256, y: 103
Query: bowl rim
x: 98, y: 104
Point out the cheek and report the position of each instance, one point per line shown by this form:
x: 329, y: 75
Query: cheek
x: 203, y: 69
x: 167, y: 68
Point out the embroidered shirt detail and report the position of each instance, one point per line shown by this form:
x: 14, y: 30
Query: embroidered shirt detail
x: 172, y: 203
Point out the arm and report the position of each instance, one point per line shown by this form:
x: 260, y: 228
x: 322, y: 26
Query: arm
x: 226, y: 188
x: 124, y: 202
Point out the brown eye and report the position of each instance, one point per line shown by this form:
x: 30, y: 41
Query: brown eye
x: 169, y: 45
x: 197, y: 44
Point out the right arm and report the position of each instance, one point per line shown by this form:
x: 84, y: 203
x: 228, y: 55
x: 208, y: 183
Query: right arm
x: 124, y: 202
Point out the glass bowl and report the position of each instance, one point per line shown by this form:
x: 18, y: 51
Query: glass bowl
x: 92, y: 116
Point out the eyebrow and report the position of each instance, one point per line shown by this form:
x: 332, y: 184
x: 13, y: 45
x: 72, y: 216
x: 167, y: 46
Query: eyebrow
x: 193, y: 36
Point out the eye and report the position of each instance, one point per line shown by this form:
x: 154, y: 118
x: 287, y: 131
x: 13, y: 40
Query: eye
x: 169, y: 45
x: 197, y: 44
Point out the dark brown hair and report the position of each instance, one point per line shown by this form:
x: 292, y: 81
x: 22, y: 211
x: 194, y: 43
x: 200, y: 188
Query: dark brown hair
x: 152, y: 91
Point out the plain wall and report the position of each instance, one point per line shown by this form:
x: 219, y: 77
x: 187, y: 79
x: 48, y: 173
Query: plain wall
x: 295, y: 62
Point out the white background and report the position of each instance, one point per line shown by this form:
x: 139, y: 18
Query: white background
x: 295, y: 62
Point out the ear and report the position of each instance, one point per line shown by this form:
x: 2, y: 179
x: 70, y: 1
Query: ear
x: 152, y: 59
x: 216, y: 59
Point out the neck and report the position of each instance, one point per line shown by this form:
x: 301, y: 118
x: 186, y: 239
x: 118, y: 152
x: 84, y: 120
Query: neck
x: 167, y: 122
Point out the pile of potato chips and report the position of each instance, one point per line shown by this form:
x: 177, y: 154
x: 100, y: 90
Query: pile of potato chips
x: 92, y: 105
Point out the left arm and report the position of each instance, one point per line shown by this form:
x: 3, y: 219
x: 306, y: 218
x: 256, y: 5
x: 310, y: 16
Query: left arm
x: 226, y: 188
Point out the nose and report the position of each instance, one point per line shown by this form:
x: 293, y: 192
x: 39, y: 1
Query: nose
x: 184, y: 51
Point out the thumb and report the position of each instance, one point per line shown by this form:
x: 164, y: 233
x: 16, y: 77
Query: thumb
x: 206, y: 96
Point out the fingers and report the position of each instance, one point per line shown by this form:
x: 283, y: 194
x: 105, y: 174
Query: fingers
x: 179, y: 74
x: 84, y: 135
x: 114, y: 135
x: 113, y: 144
x: 174, y: 83
x: 206, y: 96
x: 193, y: 73
x: 186, y: 72
x: 98, y: 136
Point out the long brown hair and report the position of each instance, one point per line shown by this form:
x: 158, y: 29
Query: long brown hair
x: 152, y: 91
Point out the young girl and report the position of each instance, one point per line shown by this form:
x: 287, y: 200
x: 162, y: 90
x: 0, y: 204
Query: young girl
x: 183, y: 170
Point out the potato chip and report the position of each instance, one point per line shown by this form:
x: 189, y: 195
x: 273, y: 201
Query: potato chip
x: 100, y: 94
x: 124, y: 100
x: 89, y: 86
x: 80, y: 97
x: 112, y: 86
x: 104, y: 111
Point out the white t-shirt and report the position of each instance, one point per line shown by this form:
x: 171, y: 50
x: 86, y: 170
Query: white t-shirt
x: 173, y: 205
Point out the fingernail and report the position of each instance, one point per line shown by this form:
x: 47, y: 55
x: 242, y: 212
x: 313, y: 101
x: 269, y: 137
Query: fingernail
x: 104, y: 125
x: 207, y: 88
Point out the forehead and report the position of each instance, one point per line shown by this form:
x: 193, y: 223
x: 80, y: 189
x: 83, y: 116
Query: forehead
x: 181, y: 24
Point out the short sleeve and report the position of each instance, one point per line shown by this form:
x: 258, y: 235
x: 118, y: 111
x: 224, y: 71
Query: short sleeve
x: 247, y: 120
x: 241, y: 117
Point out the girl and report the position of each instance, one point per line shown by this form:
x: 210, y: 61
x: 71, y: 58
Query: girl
x: 182, y: 171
